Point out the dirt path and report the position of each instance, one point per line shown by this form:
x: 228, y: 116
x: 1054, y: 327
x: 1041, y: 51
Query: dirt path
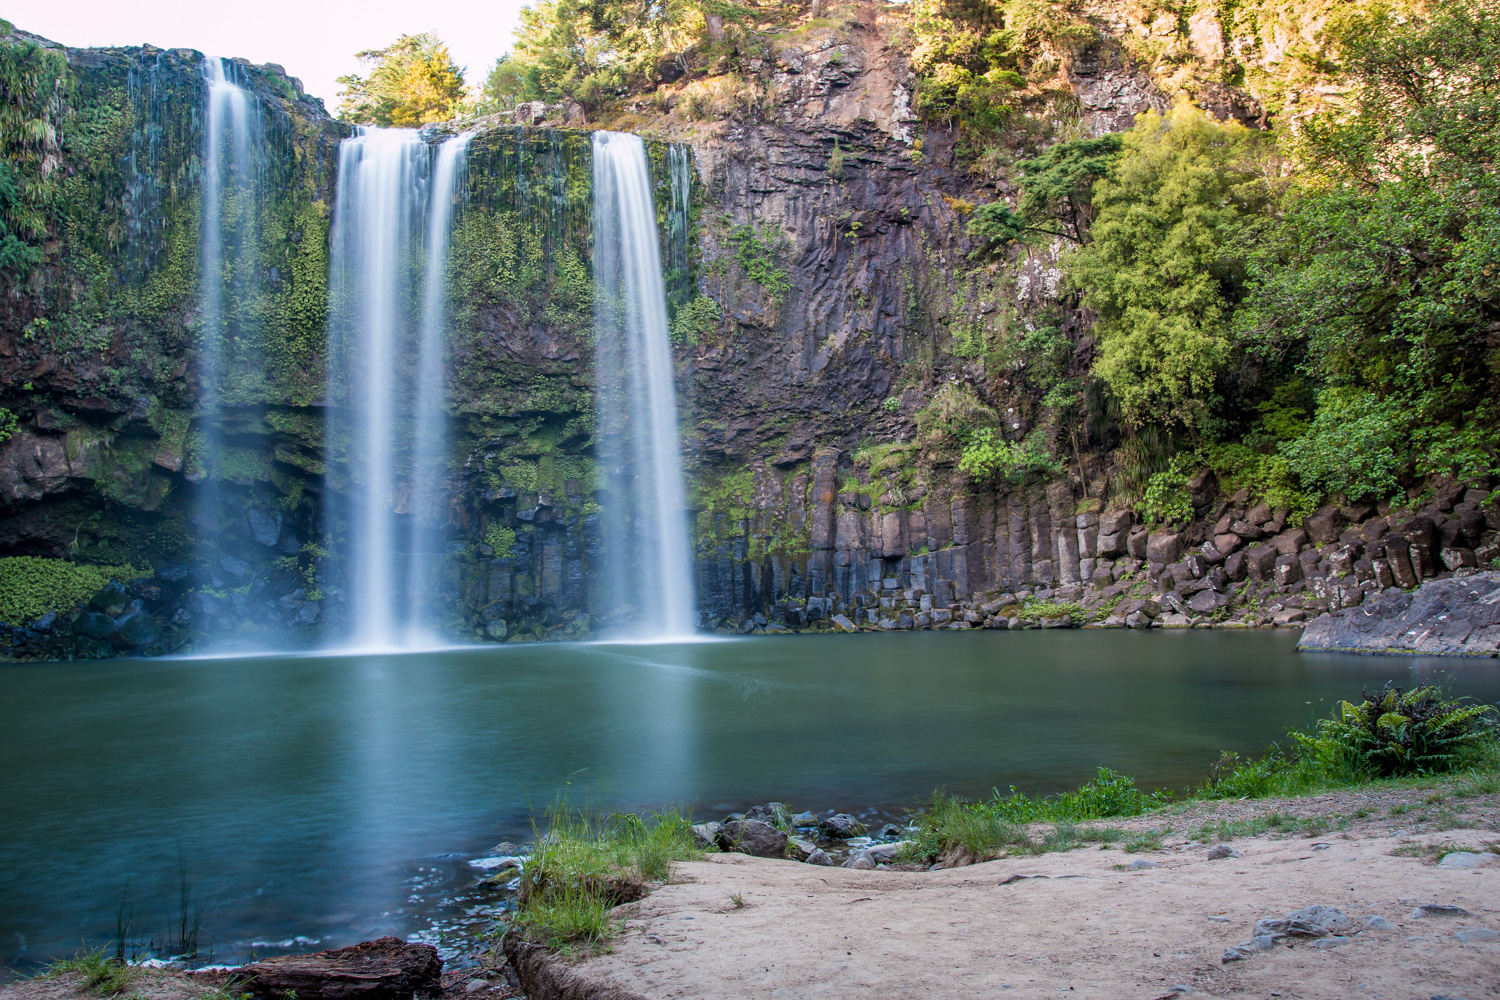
x: 1090, y: 928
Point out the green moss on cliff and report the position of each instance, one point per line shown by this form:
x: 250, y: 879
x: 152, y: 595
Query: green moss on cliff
x: 31, y: 586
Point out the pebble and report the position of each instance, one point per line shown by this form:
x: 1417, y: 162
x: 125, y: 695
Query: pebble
x: 1439, y: 910
x: 1140, y: 863
x: 861, y: 861
x: 820, y: 857
x: 475, y: 985
x: 1330, y: 942
x: 1243, y: 950
x: 1219, y: 851
x: 1462, y: 859
x: 1476, y: 934
x: 1377, y: 924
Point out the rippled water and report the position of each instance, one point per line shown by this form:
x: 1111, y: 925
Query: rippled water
x: 338, y: 797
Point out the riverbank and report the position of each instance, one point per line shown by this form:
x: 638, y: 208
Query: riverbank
x: 1096, y: 921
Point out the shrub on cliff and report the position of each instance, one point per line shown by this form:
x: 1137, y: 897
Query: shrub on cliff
x: 31, y: 586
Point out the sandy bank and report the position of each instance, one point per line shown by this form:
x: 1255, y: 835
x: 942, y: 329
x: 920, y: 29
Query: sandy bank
x: 1080, y: 923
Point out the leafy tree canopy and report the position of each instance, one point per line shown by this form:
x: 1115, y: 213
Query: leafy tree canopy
x: 411, y: 83
x: 1163, y: 268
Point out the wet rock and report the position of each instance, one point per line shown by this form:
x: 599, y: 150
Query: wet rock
x: 843, y: 624
x: 753, y: 837
x: 798, y: 849
x: 1454, y: 617
x: 884, y: 853
x: 774, y: 813
x: 840, y: 826
x: 804, y: 819
x: 385, y: 969
x: 1219, y: 851
x: 135, y: 630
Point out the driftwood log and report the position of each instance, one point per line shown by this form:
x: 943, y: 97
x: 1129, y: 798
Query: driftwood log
x: 387, y: 968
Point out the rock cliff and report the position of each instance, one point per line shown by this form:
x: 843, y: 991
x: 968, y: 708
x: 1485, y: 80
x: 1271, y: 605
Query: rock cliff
x: 828, y: 323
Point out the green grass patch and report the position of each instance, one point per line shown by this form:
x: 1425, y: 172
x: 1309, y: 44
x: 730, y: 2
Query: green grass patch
x: 1387, y: 739
x: 104, y: 975
x: 583, y: 866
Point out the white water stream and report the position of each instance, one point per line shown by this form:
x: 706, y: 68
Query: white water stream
x: 387, y: 375
x: 228, y: 183
x: 648, y: 559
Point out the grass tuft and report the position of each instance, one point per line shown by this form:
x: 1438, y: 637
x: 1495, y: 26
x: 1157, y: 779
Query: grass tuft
x: 104, y: 975
x: 584, y: 866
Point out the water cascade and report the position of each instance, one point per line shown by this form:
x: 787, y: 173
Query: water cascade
x: 226, y: 249
x: 429, y: 437
x: 647, y: 552
x: 386, y: 375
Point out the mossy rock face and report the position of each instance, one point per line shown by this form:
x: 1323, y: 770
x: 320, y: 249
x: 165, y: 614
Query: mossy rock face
x: 34, y: 586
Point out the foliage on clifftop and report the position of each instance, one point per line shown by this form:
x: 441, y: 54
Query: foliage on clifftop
x: 412, y: 82
x: 1309, y: 310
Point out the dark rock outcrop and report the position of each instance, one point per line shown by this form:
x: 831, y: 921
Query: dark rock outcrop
x: 752, y: 836
x: 387, y: 968
x: 1453, y: 617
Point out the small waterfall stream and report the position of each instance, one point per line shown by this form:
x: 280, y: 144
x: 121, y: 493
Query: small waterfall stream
x: 386, y: 375
x: 226, y: 265
x: 647, y: 554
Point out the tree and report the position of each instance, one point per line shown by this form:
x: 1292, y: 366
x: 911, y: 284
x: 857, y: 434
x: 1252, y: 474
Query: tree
x: 1056, y: 196
x: 1165, y: 264
x: 412, y: 82
x: 1379, y: 281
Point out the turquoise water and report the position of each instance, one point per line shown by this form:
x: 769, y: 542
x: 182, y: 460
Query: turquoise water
x: 338, y: 797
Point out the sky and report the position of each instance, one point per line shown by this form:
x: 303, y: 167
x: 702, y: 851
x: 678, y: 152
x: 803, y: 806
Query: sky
x: 314, y: 40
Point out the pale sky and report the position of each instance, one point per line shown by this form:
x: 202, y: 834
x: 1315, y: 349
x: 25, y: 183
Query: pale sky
x: 315, y: 40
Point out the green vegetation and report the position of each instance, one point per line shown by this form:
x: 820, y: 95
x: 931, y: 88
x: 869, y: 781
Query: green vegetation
x: 975, y: 57
x: 594, y: 52
x: 1391, y: 734
x: 584, y: 865
x: 986, y: 456
x: 32, y: 586
x: 412, y: 82
x: 1301, y: 312
x: 106, y: 976
x: 761, y: 253
x: 1161, y: 265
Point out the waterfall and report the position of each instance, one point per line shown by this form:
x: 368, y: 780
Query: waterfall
x: 386, y: 373
x: 226, y: 249
x: 648, y: 562
x: 430, y: 437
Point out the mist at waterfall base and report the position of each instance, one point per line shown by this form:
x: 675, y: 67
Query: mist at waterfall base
x: 342, y: 797
x: 388, y: 425
x: 647, y: 558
